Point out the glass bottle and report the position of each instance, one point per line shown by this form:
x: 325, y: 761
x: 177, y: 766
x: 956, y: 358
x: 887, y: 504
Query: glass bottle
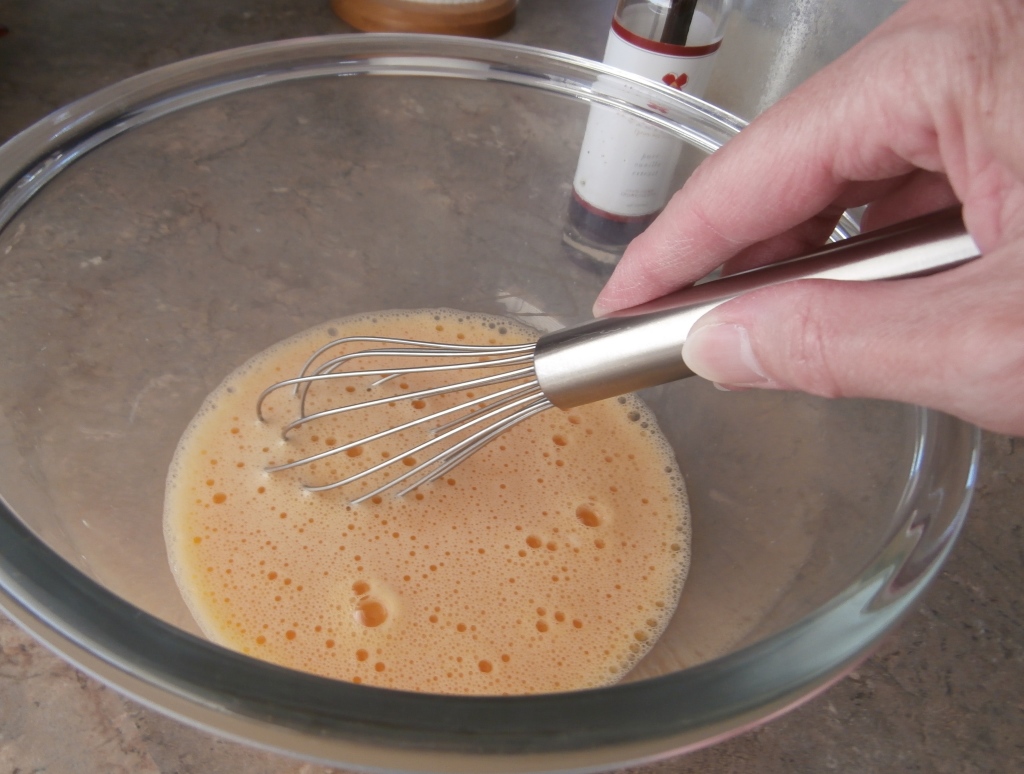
x: 626, y: 167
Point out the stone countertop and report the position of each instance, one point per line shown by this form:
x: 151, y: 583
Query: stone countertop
x: 942, y: 693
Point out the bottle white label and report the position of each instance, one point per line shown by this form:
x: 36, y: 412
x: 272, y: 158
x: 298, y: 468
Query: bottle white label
x: 626, y: 165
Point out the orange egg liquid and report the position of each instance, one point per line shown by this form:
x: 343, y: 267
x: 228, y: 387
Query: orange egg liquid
x: 550, y: 560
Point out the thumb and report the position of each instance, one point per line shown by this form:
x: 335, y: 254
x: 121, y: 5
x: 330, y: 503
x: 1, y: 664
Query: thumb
x: 953, y: 342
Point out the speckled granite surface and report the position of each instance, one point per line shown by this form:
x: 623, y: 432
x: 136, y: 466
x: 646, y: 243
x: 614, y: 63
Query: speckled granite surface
x: 942, y: 694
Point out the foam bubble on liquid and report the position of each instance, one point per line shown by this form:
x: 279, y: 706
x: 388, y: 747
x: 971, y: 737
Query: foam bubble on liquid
x: 550, y: 560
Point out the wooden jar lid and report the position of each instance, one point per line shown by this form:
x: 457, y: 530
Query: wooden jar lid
x: 477, y: 18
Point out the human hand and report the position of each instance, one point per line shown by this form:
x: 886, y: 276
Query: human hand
x: 926, y: 111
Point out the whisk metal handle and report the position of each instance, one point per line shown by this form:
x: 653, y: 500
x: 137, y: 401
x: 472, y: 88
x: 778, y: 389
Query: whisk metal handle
x: 642, y: 346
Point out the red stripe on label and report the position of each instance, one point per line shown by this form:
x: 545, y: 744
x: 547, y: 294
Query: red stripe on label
x: 669, y: 49
x: 609, y: 215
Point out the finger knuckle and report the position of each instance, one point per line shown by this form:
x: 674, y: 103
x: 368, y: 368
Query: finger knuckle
x: 811, y: 358
x: 982, y: 374
x: 993, y: 354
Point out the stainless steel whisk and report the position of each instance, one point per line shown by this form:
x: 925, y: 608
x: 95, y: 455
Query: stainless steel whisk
x: 630, y: 350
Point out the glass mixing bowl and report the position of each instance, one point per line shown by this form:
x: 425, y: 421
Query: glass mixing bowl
x: 158, y: 233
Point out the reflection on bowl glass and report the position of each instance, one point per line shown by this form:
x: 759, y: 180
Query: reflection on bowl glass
x: 158, y: 233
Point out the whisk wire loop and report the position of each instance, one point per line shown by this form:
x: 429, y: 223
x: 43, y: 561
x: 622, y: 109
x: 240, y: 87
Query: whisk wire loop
x: 471, y: 445
x: 482, y: 417
x: 532, y: 399
x: 308, y: 379
x: 453, y: 350
x: 392, y: 373
x: 504, y: 396
x: 419, y: 394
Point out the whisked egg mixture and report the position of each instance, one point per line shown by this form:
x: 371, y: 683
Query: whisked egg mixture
x: 550, y: 560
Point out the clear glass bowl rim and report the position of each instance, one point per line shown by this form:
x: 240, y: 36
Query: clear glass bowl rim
x: 342, y: 723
